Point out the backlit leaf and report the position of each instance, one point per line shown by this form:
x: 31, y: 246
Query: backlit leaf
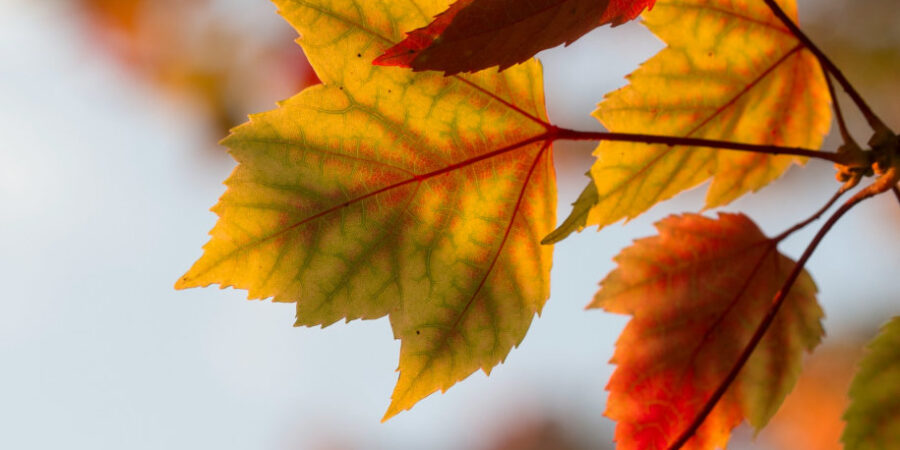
x: 384, y: 192
x: 476, y: 34
x: 731, y: 72
x: 810, y: 418
x: 873, y: 418
x: 696, y: 294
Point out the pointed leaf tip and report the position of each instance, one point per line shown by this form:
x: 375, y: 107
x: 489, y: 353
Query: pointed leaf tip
x: 577, y: 219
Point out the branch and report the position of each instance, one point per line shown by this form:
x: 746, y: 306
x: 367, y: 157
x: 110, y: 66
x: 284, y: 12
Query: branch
x: 837, y: 195
x: 874, y: 121
x: 842, y: 125
x: 896, y: 192
x: 760, y: 332
x: 573, y: 135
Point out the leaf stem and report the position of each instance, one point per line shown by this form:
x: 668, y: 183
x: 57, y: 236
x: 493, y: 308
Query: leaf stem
x: 842, y: 125
x: 763, y: 327
x: 574, y: 135
x: 874, y: 121
x: 837, y: 195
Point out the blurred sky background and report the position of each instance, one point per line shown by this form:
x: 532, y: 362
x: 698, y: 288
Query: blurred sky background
x: 109, y: 164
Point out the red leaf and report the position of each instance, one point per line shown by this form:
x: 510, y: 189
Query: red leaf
x: 476, y: 34
x: 697, y: 292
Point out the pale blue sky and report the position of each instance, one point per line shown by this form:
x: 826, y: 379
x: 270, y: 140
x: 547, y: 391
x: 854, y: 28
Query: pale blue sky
x: 104, y: 201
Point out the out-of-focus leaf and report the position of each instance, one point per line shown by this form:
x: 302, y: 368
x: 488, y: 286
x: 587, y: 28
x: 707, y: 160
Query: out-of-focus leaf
x: 181, y: 49
x: 810, y: 418
x: 873, y: 418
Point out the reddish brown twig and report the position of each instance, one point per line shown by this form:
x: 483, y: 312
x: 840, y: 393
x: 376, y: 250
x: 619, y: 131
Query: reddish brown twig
x: 672, y: 141
x: 842, y: 125
x: 874, y: 121
x: 818, y: 214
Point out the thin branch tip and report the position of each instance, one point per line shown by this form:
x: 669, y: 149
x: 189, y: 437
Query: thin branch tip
x: 874, y: 121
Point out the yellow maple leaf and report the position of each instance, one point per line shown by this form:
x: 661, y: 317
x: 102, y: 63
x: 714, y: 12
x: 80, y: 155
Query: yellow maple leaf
x: 731, y: 72
x: 384, y: 192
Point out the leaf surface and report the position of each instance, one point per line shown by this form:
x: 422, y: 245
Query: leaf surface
x: 476, y: 34
x: 383, y: 192
x: 696, y: 294
x: 873, y: 417
x: 730, y: 72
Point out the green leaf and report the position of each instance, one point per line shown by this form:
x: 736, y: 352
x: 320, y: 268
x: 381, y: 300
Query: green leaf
x: 873, y: 417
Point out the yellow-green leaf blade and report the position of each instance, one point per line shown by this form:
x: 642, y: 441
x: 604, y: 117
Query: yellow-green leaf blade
x: 873, y: 417
x: 730, y: 72
x: 492, y: 312
x: 383, y: 192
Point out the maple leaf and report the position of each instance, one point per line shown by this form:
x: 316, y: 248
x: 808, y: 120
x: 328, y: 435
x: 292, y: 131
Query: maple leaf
x: 873, y: 417
x: 696, y: 293
x: 384, y: 192
x: 731, y: 72
x: 476, y: 34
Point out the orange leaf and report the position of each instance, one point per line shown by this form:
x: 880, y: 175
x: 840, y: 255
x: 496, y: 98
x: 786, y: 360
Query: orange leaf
x: 476, y: 34
x: 697, y: 292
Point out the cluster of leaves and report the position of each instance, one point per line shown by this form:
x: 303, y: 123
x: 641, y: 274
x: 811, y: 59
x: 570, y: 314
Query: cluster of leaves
x: 428, y: 196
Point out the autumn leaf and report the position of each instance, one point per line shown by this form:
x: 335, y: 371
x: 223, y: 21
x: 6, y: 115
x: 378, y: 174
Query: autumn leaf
x: 219, y: 69
x: 810, y: 418
x: 476, y: 34
x: 731, y: 72
x: 696, y: 293
x: 118, y: 14
x: 384, y: 192
x: 873, y: 417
